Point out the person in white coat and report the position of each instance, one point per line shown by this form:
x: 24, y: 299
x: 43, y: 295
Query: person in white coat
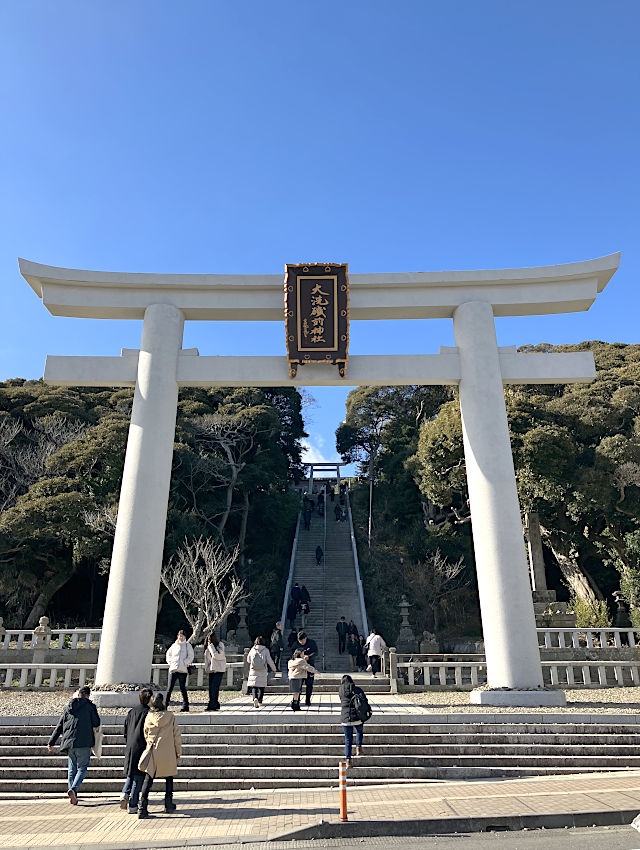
x: 179, y: 657
x: 260, y: 661
x: 375, y: 647
x: 215, y: 663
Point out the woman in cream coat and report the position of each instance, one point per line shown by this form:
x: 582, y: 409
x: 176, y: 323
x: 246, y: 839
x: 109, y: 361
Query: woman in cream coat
x: 160, y: 758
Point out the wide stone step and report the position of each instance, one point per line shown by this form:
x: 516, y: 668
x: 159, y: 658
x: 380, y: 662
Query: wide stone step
x: 241, y: 755
x: 360, y: 768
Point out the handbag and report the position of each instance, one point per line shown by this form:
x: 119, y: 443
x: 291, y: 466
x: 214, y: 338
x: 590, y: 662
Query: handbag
x: 98, y: 735
x: 191, y: 669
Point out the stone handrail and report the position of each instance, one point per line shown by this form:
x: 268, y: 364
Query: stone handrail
x: 76, y: 675
x: 292, y: 564
x: 26, y: 638
x: 354, y: 549
x: 471, y: 674
x: 592, y: 638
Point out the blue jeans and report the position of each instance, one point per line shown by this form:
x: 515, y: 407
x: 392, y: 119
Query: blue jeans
x: 348, y: 738
x: 77, y: 766
x: 132, y: 787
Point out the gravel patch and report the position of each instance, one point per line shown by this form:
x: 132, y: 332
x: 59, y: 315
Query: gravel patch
x: 591, y: 700
x: 49, y: 703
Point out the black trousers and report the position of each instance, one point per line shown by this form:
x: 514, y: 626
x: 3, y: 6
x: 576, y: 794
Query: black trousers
x: 374, y: 660
x: 181, y: 679
x: 146, y: 788
x: 276, y: 654
x: 342, y: 643
x: 258, y: 693
x: 308, y: 687
x: 215, y: 679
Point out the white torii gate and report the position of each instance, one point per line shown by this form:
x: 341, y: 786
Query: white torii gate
x: 476, y: 365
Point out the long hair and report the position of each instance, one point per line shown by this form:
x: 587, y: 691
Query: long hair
x: 213, y: 639
x: 157, y: 702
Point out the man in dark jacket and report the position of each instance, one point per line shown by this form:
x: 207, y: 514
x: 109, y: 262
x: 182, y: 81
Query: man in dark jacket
x: 319, y: 554
x: 76, y: 726
x: 136, y: 745
x: 341, y: 628
x: 310, y: 650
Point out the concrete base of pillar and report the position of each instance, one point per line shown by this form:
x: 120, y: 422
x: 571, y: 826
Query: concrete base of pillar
x: 526, y: 699
x: 115, y: 699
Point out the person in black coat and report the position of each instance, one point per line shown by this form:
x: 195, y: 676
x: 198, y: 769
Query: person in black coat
x: 341, y: 628
x: 319, y: 554
x: 296, y: 591
x: 310, y: 651
x: 136, y: 745
x: 304, y: 594
x: 76, y: 726
x: 349, y: 717
x: 292, y: 613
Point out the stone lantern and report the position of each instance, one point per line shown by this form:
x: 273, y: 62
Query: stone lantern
x: 406, y: 639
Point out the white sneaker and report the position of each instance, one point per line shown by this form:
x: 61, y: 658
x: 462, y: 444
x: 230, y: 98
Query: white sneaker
x: 256, y: 704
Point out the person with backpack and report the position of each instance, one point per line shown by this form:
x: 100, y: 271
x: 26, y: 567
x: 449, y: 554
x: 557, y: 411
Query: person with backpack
x: 354, y: 712
x: 304, y: 613
x: 259, y: 660
x: 134, y: 739
x: 299, y: 668
x: 215, y: 663
x: 160, y: 758
x: 78, y: 725
x: 276, y: 647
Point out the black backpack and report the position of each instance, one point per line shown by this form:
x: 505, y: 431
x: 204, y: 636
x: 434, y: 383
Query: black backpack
x: 361, y: 705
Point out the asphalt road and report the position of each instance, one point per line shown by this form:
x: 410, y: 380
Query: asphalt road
x: 594, y: 838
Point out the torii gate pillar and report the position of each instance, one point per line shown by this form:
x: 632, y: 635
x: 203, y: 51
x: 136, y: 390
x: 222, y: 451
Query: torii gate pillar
x: 131, y: 607
x: 508, y: 620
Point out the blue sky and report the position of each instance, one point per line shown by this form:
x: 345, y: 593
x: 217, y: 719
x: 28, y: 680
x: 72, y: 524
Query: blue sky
x: 212, y: 136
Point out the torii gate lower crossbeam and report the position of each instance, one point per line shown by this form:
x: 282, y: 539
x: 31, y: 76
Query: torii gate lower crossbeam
x: 476, y: 365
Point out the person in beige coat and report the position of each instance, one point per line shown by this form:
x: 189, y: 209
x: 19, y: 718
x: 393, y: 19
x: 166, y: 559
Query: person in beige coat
x: 298, y: 669
x: 260, y: 662
x: 160, y: 758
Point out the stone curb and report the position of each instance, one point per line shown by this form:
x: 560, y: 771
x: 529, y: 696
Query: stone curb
x: 376, y: 829
x: 449, y: 826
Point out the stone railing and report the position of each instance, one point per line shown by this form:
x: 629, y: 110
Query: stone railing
x: 65, y: 676
x: 469, y: 673
x: 578, y: 638
x: 54, y: 639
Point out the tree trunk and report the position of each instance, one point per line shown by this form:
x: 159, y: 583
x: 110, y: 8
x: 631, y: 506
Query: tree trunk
x: 47, y: 592
x: 567, y: 558
x: 244, y: 519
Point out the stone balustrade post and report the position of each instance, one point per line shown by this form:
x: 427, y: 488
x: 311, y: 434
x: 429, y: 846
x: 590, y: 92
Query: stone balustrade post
x: 393, y: 670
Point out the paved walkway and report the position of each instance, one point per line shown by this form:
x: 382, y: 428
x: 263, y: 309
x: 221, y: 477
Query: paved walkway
x: 262, y: 815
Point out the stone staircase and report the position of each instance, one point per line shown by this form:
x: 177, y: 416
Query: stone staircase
x: 335, y: 582
x: 242, y: 753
